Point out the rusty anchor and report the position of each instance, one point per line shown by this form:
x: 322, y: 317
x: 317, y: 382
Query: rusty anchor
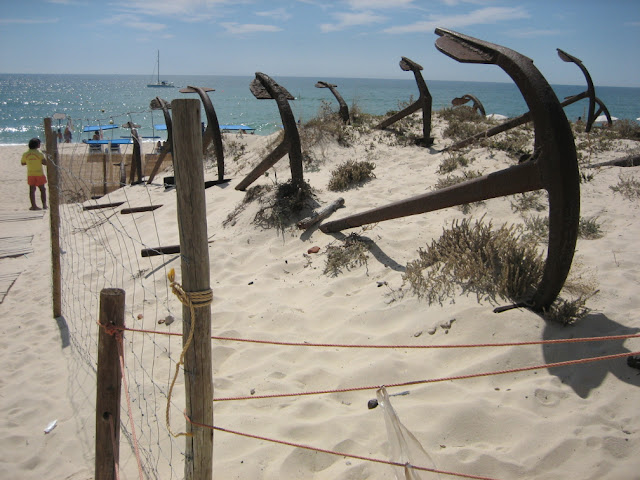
x: 552, y: 167
x: 212, y: 133
x: 476, y: 104
x: 590, y: 93
x: 161, y: 104
x: 344, y: 110
x: 526, y: 117
x: 423, y: 103
x: 136, y: 161
x: 264, y: 87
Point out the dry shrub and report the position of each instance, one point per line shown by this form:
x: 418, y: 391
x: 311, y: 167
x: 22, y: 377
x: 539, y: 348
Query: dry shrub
x: 351, y: 173
x: 628, y: 187
x: 523, y: 202
x: 286, y: 207
x: 281, y: 205
x: 475, y: 257
x: 452, y: 162
x: 515, y: 142
x: 352, y: 253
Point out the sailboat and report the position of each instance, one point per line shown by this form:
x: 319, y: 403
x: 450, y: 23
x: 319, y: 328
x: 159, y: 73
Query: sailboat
x: 163, y: 83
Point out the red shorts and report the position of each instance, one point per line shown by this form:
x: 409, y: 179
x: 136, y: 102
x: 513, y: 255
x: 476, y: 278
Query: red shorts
x: 36, y: 180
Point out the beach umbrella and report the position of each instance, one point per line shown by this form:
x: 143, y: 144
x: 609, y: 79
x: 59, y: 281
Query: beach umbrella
x: 497, y: 116
x: 603, y: 118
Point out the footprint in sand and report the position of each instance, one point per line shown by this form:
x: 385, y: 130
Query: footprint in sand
x: 549, y: 398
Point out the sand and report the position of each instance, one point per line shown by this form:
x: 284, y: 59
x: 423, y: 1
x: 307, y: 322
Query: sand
x: 572, y: 422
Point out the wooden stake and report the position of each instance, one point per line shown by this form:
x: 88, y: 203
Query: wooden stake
x: 192, y: 226
x: 54, y: 215
x: 109, y: 379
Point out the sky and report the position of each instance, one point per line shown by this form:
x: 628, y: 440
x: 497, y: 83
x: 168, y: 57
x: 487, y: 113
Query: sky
x: 311, y: 38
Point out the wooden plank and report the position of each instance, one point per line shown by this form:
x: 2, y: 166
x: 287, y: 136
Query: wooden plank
x: 21, y: 216
x: 15, y: 246
x: 105, y: 205
x: 154, y: 252
x: 6, y: 282
x: 148, y: 208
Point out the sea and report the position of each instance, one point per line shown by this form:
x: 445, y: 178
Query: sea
x: 89, y: 100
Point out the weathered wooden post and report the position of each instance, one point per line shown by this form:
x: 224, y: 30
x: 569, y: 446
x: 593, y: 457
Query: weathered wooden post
x: 194, y: 248
x: 54, y: 215
x: 109, y: 381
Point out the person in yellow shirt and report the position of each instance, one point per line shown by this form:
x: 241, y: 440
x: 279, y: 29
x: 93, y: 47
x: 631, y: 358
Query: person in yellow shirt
x: 34, y: 160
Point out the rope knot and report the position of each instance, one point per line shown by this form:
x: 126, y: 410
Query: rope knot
x: 192, y: 300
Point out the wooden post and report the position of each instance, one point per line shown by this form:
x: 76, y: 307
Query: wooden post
x: 108, y: 387
x: 54, y: 215
x: 194, y: 248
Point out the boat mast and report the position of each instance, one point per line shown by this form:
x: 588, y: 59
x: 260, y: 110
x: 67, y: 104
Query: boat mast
x: 158, y: 66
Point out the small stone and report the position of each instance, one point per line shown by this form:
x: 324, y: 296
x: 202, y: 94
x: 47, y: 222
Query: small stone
x: 315, y: 249
x: 447, y: 325
x: 432, y: 330
x: 417, y: 334
x: 140, y: 316
x: 253, y: 391
x: 161, y: 321
x: 168, y: 320
x: 373, y: 403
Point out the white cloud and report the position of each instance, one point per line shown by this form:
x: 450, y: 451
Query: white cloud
x: 186, y: 10
x: 482, y: 16
x: 378, y: 4
x: 131, y: 22
x: 346, y: 20
x: 278, y: 14
x: 241, y: 29
x: 27, y: 21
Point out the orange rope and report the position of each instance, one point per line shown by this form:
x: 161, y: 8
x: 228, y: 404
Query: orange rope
x: 118, y: 337
x: 116, y: 466
x: 340, y: 454
x: 434, y: 380
x: 342, y: 345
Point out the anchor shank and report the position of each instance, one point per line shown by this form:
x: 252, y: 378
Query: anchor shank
x: 414, y: 107
x: 520, y: 178
x: 280, y: 151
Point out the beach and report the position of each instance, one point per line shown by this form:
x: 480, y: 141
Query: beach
x: 578, y: 421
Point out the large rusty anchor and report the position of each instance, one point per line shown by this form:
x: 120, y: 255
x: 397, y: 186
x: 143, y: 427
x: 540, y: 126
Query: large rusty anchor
x: 212, y: 133
x: 526, y: 117
x: 264, y: 87
x: 161, y: 104
x: 553, y: 166
x: 423, y: 103
x: 344, y: 110
x: 476, y: 104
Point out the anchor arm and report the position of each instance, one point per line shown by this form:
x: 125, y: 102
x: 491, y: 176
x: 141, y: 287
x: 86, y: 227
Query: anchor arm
x: 591, y: 92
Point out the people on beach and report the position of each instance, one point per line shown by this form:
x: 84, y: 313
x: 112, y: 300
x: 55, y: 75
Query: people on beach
x: 67, y: 135
x: 34, y: 160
